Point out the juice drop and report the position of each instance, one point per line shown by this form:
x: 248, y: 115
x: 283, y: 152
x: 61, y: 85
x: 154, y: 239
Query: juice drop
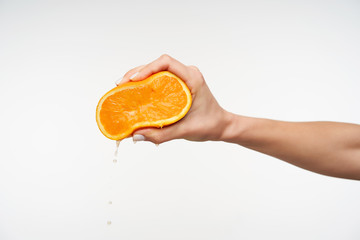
x: 115, y: 159
x: 117, y: 148
x: 116, y: 154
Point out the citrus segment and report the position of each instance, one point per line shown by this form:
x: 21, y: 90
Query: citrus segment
x: 157, y: 101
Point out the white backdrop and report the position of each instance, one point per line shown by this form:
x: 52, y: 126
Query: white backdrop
x: 288, y: 60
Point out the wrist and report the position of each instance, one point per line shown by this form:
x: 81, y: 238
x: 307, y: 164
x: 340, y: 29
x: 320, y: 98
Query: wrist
x: 233, y: 127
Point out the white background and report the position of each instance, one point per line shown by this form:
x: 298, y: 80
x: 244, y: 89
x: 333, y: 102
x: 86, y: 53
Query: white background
x: 288, y: 60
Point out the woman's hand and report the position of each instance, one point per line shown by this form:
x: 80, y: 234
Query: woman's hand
x: 206, y: 120
x: 328, y: 148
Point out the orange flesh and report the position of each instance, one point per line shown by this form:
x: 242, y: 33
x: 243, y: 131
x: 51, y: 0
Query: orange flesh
x: 161, y: 99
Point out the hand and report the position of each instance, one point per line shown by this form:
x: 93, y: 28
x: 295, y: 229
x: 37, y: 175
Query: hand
x: 206, y: 120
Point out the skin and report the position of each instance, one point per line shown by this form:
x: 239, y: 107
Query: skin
x: 328, y: 148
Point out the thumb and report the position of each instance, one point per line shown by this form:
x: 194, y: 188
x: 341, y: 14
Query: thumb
x: 155, y: 135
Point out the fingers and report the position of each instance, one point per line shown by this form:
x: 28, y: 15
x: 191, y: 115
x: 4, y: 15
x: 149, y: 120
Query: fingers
x: 156, y: 135
x: 163, y: 63
x: 128, y: 76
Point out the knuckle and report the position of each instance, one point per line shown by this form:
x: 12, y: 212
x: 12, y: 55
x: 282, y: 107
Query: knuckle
x: 156, y: 137
x: 194, y: 68
x: 157, y: 140
x: 195, y: 72
x: 165, y: 57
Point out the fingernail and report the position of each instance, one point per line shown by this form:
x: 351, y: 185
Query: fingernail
x: 138, y: 138
x: 117, y: 82
x: 134, y: 75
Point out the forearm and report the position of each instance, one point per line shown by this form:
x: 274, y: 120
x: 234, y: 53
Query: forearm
x: 324, y: 147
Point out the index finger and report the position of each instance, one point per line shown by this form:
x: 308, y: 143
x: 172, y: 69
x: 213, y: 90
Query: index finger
x: 127, y: 76
x: 163, y: 63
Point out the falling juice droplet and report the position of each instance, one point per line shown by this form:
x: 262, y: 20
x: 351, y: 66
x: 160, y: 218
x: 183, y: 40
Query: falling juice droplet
x: 116, y: 154
x: 117, y: 148
x: 114, y: 161
x: 157, y: 144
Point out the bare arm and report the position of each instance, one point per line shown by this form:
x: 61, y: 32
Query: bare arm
x: 328, y: 148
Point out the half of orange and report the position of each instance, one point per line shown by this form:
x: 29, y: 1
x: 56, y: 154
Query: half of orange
x: 159, y: 100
